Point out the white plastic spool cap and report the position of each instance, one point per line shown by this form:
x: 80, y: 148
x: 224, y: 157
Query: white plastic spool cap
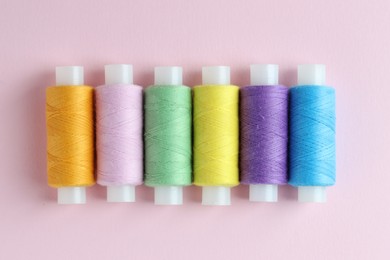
x: 168, y: 75
x: 312, y: 194
x: 70, y: 76
x: 168, y: 195
x: 311, y: 74
x: 264, y: 74
x: 118, y: 74
x: 216, y: 195
x: 121, y: 193
x: 216, y: 75
x: 263, y: 193
x: 71, y: 195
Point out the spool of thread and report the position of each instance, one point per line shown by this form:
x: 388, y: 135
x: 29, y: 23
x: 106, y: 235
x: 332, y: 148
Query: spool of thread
x: 119, y: 125
x: 264, y: 133
x: 168, y: 125
x: 216, y: 141
x: 312, y: 134
x: 70, y: 135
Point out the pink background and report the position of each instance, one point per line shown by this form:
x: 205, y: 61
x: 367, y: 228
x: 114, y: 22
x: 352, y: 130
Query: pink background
x: 351, y: 37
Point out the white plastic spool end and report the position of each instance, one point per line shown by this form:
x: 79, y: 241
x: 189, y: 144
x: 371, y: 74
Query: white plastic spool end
x: 69, y: 76
x: 118, y: 74
x: 216, y: 75
x: 216, y: 196
x: 168, y: 195
x: 312, y: 194
x: 264, y: 74
x: 121, y: 193
x: 263, y: 193
x: 311, y: 74
x: 71, y: 195
x: 168, y: 75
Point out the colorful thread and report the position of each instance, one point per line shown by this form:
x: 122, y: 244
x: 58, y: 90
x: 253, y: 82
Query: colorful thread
x: 119, y: 134
x: 263, y: 134
x: 168, y: 154
x: 312, y: 136
x: 70, y: 136
x: 216, y: 141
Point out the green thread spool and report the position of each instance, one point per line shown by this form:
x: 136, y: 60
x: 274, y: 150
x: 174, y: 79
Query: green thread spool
x: 168, y: 129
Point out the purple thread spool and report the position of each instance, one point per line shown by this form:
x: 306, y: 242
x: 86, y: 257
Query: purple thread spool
x: 264, y: 133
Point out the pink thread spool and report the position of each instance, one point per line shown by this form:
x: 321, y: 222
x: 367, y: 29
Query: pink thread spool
x: 119, y: 133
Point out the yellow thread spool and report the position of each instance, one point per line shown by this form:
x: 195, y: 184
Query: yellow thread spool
x: 216, y: 128
x: 70, y: 135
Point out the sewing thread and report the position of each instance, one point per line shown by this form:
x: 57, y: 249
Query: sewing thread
x: 216, y: 141
x: 168, y: 125
x: 312, y: 136
x: 70, y: 136
x: 263, y: 134
x: 119, y: 141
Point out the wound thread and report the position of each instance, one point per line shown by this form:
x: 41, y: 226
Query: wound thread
x: 168, y: 151
x: 70, y: 136
x: 119, y: 141
x: 216, y: 141
x: 312, y: 136
x: 263, y: 134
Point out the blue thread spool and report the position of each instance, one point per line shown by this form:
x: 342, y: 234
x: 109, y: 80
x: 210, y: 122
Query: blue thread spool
x: 312, y: 134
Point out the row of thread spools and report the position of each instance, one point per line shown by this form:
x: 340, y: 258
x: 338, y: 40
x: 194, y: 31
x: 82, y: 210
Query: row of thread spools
x: 168, y: 136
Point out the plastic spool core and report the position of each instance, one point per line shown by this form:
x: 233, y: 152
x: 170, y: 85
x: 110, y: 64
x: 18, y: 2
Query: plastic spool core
x: 311, y: 74
x: 263, y: 193
x: 216, y: 75
x: 216, y: 195
x: 168, y: 75
x: 312, y: 193
x: 119, y: 74
x: 70, y: 76
x: 264, y: 75
x: 121, y: 193
x: 168, y: 195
